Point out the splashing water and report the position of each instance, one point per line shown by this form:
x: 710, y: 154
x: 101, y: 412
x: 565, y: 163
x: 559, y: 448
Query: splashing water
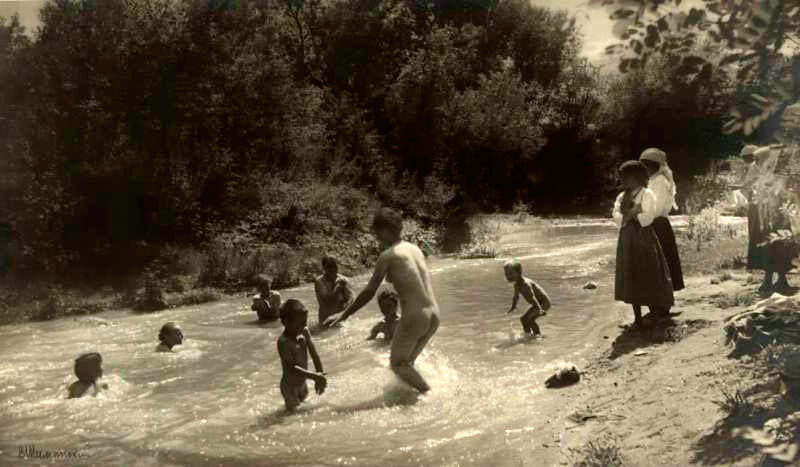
x: 215, y: 400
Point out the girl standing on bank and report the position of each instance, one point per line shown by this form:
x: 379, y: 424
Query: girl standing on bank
x: 662, y: 184
x: 642, y: 275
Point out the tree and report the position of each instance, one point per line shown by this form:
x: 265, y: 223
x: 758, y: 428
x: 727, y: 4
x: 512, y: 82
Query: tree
x: 755, y: 34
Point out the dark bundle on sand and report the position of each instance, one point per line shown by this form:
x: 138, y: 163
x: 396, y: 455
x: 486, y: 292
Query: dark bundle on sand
x: 775, y: 320
x: 565, y: 376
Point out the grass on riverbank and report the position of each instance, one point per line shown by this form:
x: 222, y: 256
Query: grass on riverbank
x: 185, y: 276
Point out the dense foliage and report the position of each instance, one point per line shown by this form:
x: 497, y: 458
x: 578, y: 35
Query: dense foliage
x: 758, y: 39
x: 132, y: 124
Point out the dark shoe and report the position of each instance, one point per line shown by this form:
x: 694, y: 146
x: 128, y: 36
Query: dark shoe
x: 766, y: 289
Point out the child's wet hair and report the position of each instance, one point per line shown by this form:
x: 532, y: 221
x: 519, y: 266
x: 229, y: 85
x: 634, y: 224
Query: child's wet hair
x: 86, y: 366
x: 636, y: 170
x: 329, y: 262
x: 388, y: 219
x: 263, y: 280
x: 291, y: 308
x: 513, y: 265
x: 389, y: 295
x: 165, y: 330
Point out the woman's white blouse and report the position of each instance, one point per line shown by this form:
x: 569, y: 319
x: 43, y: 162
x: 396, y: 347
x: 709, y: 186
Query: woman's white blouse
x: 665, y: 199
x: 646, y: 198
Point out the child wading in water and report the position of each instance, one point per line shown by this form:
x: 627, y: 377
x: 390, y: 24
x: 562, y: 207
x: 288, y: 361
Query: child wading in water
x: 170, y: 336
x: 642, y: 275
x: 294, y: 345
x: 387, y: 301
x: 267, y: 303
x: 531, y: 292
x: 88, y: 369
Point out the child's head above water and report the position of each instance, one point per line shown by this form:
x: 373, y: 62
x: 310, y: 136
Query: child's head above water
x: 170, y: 335
x: 634, y: 175
x: 263, y: 283
x: 387, y: 225
x: 294, y: 316
x: 388, y: 301
x: 88, y: 367
x: 330, y: 266
x: 513, y: 270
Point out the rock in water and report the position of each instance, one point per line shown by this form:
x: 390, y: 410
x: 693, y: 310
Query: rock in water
x: 565, y: 376
x: 590, y: 286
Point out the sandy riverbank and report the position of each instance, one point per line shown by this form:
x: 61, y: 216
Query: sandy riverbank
x: 656, y: 402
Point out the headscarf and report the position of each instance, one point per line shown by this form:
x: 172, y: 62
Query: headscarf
x: 748, y: 150
x: 660, y: 157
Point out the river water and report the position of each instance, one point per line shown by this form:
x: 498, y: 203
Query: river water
x: 215, y: 400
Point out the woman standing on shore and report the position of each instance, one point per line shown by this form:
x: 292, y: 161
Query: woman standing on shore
x: 662, y: 184
x: 765, y: 192
x: 642, y: 275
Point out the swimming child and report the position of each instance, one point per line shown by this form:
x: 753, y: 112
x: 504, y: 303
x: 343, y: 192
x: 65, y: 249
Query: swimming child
x: 642, y: 274
x: 387, y: 301
x: 332, y: 289
x: 170, y: 336
x: 88, y: 369
x: 531, y: 292
x: 294, y: 345
x: 267, y: 303
x: 402, y: 264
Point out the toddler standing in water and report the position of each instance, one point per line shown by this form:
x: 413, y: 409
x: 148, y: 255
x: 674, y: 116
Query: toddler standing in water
x: 642, y: 274
x: 532, y: 293
x: 387, y: 302
x: 294, y: 345
x: 88, y: 369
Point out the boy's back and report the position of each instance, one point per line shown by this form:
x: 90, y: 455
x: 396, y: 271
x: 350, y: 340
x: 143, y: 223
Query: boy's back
x: 534, y: 293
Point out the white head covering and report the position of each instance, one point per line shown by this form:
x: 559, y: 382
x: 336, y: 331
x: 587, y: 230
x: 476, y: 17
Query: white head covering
x: 748, y: 150
x: 660, y: 157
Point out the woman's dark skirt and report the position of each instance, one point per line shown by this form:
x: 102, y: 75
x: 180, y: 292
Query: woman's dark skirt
x: 666, y: 238
x: 773, y: 257
x: 642, y: 274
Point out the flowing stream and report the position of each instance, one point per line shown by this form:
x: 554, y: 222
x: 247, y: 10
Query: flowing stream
x: 215, y: 400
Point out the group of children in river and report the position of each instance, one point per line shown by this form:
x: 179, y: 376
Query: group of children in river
x: 647, y: 273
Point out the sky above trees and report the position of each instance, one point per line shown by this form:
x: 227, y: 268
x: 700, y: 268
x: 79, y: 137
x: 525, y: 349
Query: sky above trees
x: 594, y: 22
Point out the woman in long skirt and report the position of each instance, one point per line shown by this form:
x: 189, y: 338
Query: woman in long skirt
x: 763, y: 218
x: 642, y: 275
x: 662, y: 184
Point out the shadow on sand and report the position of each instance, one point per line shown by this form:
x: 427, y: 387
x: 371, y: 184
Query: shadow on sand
x: 724, y: 446
x: 653, y: 332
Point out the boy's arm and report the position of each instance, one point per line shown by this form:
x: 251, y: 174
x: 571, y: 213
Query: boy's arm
x: 515, y: 299
x: 312, y: 349
x: 275, y: 301
x: 285, y: 354
x: 381, y: 267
